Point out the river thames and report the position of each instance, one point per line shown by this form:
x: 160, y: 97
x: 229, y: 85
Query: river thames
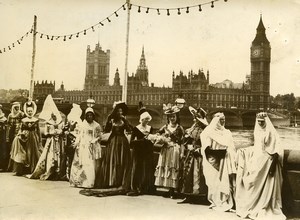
x: 290, y: 137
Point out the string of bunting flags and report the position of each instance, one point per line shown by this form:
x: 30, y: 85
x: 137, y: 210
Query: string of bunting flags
x: 16, y: 43
x: 108, y: 19
x: 177, y: 10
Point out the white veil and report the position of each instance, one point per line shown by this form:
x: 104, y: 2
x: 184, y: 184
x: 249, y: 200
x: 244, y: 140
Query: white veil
x: 49, y: 107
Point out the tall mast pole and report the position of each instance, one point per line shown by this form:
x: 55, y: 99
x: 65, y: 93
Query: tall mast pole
x: 33, y: 59
x: 124, y: 92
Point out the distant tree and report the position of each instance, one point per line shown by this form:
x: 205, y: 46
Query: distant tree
x: 287, y: 101
x: 298, y: 104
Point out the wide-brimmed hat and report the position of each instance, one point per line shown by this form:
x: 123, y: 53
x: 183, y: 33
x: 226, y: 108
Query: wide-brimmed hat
x: 121, y: 105
x: 169, y: 109
x: 199, y: 114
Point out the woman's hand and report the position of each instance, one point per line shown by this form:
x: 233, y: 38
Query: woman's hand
x: 190, y: 147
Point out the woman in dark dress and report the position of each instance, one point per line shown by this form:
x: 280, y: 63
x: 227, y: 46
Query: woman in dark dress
x: 115, y: 167
x: 4, y: 153
x: 193, y: 182
x: 142, y: 179
x: 14, y: 121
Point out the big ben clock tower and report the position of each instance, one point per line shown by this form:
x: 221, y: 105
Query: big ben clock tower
x: 260, y: 69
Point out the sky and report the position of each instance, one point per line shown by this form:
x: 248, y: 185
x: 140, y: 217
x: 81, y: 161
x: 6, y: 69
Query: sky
x: 217, y: 39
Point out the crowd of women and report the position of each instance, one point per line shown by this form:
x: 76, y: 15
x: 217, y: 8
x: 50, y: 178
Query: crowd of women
x: 199, y: 161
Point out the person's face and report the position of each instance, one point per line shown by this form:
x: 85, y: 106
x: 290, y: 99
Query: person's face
x: 262, y: 123
x: 17, y: 108
x: 89, y: 117
x: 145, y: 121
x: 53, y: 116
x: 222, y: 121
x: 173, y: 118
x: 119, y: 112
x: 30, y: 112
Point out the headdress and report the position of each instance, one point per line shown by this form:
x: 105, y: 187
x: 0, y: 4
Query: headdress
x: 199, y: 114
x: 143, y: 112
x: 169, y: 109
x: 219, y: 115
x: 266, y: 137
x: 180, y: 102
x: 121, y: 105
x: 50, y: 108
x: 29, y: 104
x: 261, y: 116
x: 145, y: 115
x: 13, y: 111
x: 89, y: 109
x: 141, y: 108
x: 75, y: 113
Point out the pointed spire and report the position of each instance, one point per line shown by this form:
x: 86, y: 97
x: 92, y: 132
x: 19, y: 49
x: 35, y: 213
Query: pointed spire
x: 143, y: 53
x: 260, y: 26
x: 142, y: 60
x: 117, y: 78
x: 260, y: 34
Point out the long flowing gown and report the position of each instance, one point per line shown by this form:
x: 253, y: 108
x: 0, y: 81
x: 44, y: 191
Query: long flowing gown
x: 142, y: 177
x: 259, y: 177
x: 193, y: 177
x: 26, y: 147
x: 115, y: 167
x: 14, y: 122
x: 167, y: 169
x: 219, y: 166
x: 87, y: 153
x: 49, y: 164
x: 70, y: 139
x: 4, y: 153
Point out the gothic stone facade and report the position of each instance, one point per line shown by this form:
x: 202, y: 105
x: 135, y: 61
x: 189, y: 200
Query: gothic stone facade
x: 194, y: 87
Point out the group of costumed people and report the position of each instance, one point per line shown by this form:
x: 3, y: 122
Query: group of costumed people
x: 199, y: 161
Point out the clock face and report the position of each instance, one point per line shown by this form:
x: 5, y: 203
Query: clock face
x: 256, y: 52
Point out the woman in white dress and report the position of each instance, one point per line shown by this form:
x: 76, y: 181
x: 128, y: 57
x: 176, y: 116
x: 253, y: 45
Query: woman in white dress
x: 259, y: 177
x: 87, y: 151
x: 219, y: 164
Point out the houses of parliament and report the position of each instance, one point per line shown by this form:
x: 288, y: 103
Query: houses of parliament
x: 193, y: 87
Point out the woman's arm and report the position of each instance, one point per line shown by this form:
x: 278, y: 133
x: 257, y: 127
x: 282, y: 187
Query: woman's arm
x: 8, y: 127
x: 161, y: 130
x: 108, y: 125
x: 38, y: 131
x: 128, y: 127
x: 133, y: 135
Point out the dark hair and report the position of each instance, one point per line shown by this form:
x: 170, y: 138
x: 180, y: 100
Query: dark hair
x: 90, y: 113
x: 113, y: 115
x: 177, y: 118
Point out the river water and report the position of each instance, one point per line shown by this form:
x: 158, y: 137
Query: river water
x: 290, y: 137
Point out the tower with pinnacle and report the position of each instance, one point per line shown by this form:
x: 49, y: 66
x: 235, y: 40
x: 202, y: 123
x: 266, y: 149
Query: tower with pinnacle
x: 260, y: 69
x: 97, y: 68
x: 142, y: 70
